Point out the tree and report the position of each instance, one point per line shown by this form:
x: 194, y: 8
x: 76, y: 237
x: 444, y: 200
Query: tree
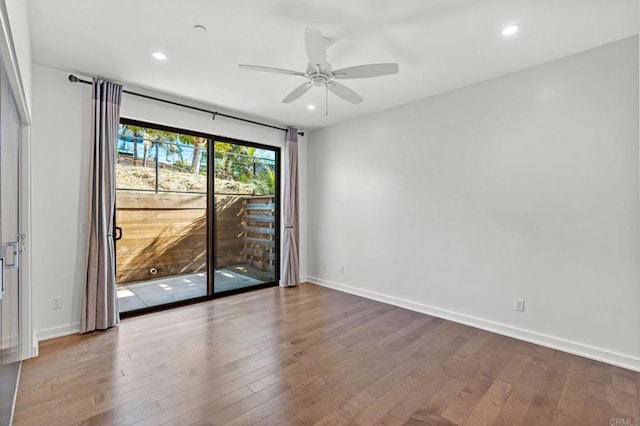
x: 148, y: 137
x: 235, y: 160
x: 137, y: 133
x: 198, y: 143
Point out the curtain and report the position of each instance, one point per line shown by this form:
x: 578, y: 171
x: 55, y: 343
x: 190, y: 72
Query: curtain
x: 290, y: 254
x: 99, y: 301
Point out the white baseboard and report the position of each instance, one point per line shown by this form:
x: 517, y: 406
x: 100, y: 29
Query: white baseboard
x: 53, y: 332
x: 35, y: 348
x: 598, y: 354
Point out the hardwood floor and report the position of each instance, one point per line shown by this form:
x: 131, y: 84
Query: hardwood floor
x: 310, y: 355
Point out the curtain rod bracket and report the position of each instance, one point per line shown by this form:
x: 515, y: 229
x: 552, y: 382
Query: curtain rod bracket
x: 213, y: 117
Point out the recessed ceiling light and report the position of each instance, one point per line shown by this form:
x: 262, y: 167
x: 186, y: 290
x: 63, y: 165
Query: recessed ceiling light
x: 311, y: 107
x: 510, y: 30
x: 199, y: 28
x: 159, y: 56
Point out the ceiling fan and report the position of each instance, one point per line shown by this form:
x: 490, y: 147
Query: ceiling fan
x: 320, y: 73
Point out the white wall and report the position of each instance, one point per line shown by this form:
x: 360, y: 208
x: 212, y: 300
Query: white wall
x: 60, y: 136
x: 522, y: 186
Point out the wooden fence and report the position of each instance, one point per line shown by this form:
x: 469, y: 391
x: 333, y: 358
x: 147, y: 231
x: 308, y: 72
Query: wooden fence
x: 168, y: 232
x: 259, y: 232
x: 228, y: 230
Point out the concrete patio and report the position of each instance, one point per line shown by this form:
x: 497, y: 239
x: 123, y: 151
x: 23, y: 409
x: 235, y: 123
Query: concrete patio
x: 144, y: 294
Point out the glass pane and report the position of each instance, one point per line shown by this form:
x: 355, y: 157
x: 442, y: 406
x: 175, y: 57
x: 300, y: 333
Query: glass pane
x: 246, y: 227
x: 161, y: 208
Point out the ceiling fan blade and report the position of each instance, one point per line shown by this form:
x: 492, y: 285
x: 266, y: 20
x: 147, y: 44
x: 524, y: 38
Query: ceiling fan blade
x: 316, y: 47
x: 270, y: 69
x: 366, y: 71
x: 297, y: 92
x: 344, y: 92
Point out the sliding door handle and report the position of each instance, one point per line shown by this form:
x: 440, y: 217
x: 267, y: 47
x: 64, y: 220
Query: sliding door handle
x: 13, y: 245
x: 118, y: 233
x: 1, y: 277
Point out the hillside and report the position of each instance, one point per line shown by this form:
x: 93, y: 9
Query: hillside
x: 132, y: 177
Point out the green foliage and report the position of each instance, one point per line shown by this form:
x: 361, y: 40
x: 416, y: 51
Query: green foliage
x: 182, y: 165
x: 266, y: 183
x: 150, y: 135
x: 233, y: 163
x: 260, y: 188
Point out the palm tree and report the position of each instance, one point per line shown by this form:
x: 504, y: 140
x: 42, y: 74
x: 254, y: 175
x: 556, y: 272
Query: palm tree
x: 148, y: 137
x: 199, y: 144
x: 138, y: 133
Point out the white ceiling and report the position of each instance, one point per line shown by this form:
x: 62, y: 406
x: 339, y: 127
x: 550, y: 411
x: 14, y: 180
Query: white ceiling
x: 439, y: 45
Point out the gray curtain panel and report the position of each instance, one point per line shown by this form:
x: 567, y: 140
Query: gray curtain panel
x: 290, y: 251
x: 99, y: 302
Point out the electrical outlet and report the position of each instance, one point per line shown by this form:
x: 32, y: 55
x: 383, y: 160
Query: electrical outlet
x: 342, y: 269
x: 518, y: 305
x: 56, y: 302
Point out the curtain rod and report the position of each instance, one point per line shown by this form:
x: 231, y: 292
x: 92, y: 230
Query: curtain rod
x: 74, y: 79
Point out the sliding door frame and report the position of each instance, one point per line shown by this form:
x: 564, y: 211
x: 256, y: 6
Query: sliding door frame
x: 211, y: 215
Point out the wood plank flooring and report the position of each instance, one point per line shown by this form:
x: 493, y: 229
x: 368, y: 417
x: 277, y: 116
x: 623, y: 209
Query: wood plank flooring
x: 310, y: 355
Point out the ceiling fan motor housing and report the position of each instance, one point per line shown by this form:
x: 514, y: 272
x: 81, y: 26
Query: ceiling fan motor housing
x: 319, y: 74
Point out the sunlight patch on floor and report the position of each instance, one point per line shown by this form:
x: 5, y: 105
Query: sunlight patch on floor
x: 125, y: 293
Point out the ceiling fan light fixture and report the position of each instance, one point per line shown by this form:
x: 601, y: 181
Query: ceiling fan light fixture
x: 159, y: 56
x: 510, y: 30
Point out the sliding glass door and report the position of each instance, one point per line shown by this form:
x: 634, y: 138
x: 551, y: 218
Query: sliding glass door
x: 10, y: 235
x: 161, y: 216
x: 196, y: 216
x: 246, y: 233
